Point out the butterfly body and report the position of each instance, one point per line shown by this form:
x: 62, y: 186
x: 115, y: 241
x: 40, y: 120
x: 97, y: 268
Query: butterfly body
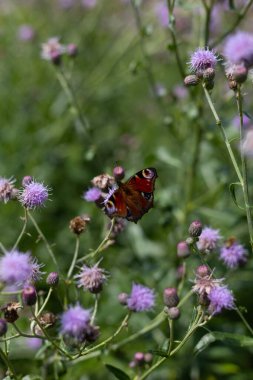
x: 134, y: 198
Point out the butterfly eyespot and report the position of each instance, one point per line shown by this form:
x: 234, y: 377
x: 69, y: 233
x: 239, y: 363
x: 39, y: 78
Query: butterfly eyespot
x: 147, y: 173
x: 147, y: 196
x: 110, y: 207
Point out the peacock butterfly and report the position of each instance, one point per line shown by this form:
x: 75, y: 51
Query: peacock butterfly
x: 132, y: 199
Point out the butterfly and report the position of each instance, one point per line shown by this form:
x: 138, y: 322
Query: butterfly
x: 132, y: 199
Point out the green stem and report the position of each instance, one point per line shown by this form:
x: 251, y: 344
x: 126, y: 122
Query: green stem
x: 218, y: 122
x: 71, y: 98
x: 51, y: 253
x: 94, y: 310
x: 8, y: 364
x: 2, y: 248
x: 106, y: 341
x: 244, y: 168
x: 22, y: 231
x: 72, y: 266
x: 45, y: 302
x: 26, y: 335
x: 171, y: 327
x: 51, y: 340
x: 93, y: 254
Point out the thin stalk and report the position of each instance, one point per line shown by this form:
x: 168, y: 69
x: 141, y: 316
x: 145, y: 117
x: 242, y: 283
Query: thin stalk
x: 2, y: 248
x: 244, y: 320
x: 171, y: 327
x: 51, y: 253
x: 93, y: 254
x: 22, y: 231
x: 72, y: 266
x: 8, y: 364
x: 66, y: 86
x: 26, y: 335
x: 51, y: 340
x: 44, y: 303
x: 244, y: 168
x: 94, y: 310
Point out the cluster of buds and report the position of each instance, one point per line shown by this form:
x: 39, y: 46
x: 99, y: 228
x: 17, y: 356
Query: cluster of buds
x: 141, y: 359
x: 171, y: 300
x: 183, y: 247
x: 53, y: 50
x: 236, y: 75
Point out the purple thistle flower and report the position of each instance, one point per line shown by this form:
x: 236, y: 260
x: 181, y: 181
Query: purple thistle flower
x: 202, y: 59
x: 33, y: 195
x: 26, y: 33
x: 141, y: 298
x: 75, y: 321
x: 220, y: 298
x: 18, y: 268
x: 33, y: 343
x: 92, y: 278
x: 246, y: 121
x: 52, y: 49
x: 92, y: 195
x: 6, y: 189
x: 208, y: 240
x: 239, y: 48
x: 233, y: 255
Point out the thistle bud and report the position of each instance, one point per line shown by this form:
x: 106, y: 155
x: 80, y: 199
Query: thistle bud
x: 72, y: 50
x: 209, y: 74
x: 170, y: 297
x: 91, y: 333
x: 191, y: 80
x: 123, y: 297
x: 195, y: 228
x: 118, y: 173
x: 183, y: 250
x: 173, y: 313
x: 237, y: 73
x: 26, y: 180
x: 139, y: 357
x: 202, y: 271
x: 29, y: 296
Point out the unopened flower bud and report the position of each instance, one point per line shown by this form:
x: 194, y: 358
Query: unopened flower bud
x: 123, y: 297
x: 233, y: 85
x: 170, y: 297
x: 202, y: 271
x: 29, y: 295
x: 208, y: 74
x: 118, y: 173
x: 139, y: 357
x: 190, y: 241
x: 237, y: 73
x: 26, y: 180
x: 148, y: 357
x: 180, y: 272
x: 72, y: 50
x: 3, y: 327
x: 52, y: 279
x: 173, y: 313
x: 56, y: 58
x: 191, y: 80
x: 79, y: 224
x: 195, y: 228
x: 91, y: 333
x: 183, y: 250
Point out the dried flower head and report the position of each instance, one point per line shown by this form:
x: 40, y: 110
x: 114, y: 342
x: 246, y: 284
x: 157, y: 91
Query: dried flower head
x: 92, y: 278
x: 220, y: 298
x: 204, y: 284
x: 47, y: 319
x: 239, y: 48
x: 233, y: 254
x: 18, y: 268
x: 208, y: 240
x: 202, y: 59
x: 33, y: 195
x: 141, y: 298
x: 6, y: 189
x: 103, y: 181
x: 79, y: 224
x: 11, y: 311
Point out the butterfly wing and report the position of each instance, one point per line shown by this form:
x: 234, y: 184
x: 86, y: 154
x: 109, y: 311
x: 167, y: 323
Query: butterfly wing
x: 133, y: 198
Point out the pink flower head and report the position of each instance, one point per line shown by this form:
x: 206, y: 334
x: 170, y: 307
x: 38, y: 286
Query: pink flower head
x: 18, y: 268
x: 33, y: 195
x: 141, y: 298
x: 75, y: 321
x: 208, y: 240
x: 26, y: 32
x: 52, y: 49
x: 239, y: 48
x: 202, y: 59
x: 92, y: 278
x: 92, y: 195
x: 220, y: 297
x: 233, y: 255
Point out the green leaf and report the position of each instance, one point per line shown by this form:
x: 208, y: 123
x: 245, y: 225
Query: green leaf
x: 233, y: 193
x: 118, y: 373
x: 207, y: 339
